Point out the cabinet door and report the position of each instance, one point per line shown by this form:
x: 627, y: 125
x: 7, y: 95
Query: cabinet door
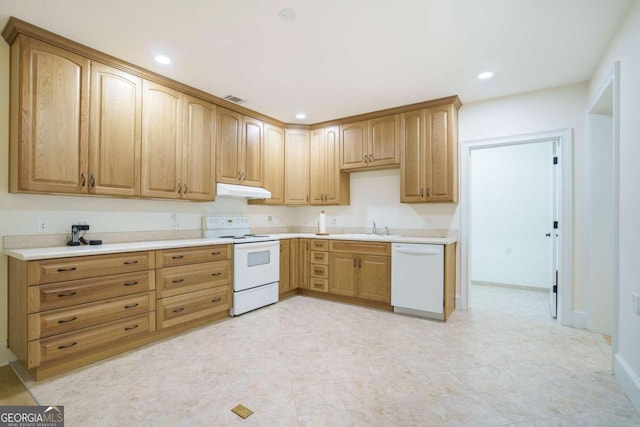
x: 374, y: 278
x: 229, y: 135
x: 304, y: 263
x: 284, y: 266
x: 296, y: 177
x: 336, y: 182
x: 161, y: 142
x: 294, y: 263
x: 441, y: 155
x: 412, y: 140
x: 115, y: 139
x: 384, y: 135
x: 251, y: 152
x: 317, y: 167
x: 353, y: 145
x: 273, y: 173
x: 198, y: 177
x: 343, y: 274
x: 50, y: 110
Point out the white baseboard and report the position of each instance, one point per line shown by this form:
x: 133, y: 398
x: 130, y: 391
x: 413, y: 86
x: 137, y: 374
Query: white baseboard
x: 458, y: 302
x: 628, y: 379
x: 579, y: 319
x: 6, y: 355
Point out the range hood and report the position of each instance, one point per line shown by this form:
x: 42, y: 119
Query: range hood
x: 242, y: 191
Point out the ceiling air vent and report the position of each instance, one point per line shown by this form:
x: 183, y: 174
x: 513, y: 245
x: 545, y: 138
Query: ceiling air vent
x: 235, y: 99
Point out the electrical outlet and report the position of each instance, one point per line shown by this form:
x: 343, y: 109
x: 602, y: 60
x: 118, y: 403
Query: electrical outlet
x: 269, y: 218
x: 635, y: 301
x: 175, y: 221
x: 334, y: 221
x: 43, y: 225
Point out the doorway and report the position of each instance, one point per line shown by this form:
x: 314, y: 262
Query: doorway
x: 552, y: 232
x: 512, y: 213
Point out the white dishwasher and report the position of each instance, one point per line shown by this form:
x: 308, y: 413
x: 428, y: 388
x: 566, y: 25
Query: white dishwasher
x: 417, y: 279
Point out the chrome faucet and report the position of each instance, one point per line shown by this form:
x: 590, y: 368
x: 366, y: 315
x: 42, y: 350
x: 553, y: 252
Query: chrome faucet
x: 374, y: 230
x: 386, y: 230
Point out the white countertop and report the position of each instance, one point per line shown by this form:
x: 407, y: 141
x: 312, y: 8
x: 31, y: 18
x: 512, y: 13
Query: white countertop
x: 110, y: 248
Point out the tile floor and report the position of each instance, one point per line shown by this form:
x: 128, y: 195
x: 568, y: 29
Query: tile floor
x: 309, y: 362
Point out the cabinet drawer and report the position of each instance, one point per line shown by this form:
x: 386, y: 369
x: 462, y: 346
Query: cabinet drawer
x: 321, y: 285
x: 184, y: 308
x: 188, y: 278
x: 319, y: 270
x: 58, y: 295
x: 42, y: 325
x: 319, y: 257
x: 66, y: 345
x: 184, y: 256
x: 58, y: 270
x: 354, y: 246
x: 319, y: 245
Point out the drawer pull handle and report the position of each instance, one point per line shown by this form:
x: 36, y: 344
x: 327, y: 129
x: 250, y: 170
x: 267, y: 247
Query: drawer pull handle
x: 318, y: 285
x: 216, y: 274
x: 131, y: 283
x: 318, y: 270
x: 62, y: 347
x: 68, y: 320
x: 216, y: 253
x: 130, y: 262
x: 319, y: 257
x: 177, y: 257
x: 131, y: 305
x: 217, y: 299
x: 178, y: 310
x: 177, y: 281
x: 67, y: 294
x: 130, y: 328
x: 62, y: 270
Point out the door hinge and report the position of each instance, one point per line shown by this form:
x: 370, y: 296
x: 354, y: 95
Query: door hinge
x: 555, y: 225
x: 555, y: 160
x: 555, y: 286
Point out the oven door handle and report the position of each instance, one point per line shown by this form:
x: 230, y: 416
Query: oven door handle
x: 257, y: 245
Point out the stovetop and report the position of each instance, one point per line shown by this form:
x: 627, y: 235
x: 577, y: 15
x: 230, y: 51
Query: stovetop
x: 229, y: 227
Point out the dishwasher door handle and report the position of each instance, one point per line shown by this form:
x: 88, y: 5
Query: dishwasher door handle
x: 412, y: 251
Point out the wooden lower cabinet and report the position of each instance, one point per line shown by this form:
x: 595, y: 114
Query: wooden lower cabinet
x: 303, y: 263
x: 355, y: 273
x: 68, y: 312
x: 284, y: 282
x: 191, y: 289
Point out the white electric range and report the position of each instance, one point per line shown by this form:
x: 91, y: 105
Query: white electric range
x: 256, y: 262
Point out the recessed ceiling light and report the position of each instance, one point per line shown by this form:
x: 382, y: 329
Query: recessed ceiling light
x: 287, y: 15
x: 485, y: 75
x: 301, y: 116
x: 161, y: 59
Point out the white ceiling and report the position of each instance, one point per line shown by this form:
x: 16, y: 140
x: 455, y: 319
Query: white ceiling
x: 342, y: 57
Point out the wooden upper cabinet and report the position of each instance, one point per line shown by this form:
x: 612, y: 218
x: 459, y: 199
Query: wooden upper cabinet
x: 370, y: 144
x: 429, y: 155
x: 198, y: 164
x: 49, y: 129
x: 161, y: 142
x: 296, y: 177
x: 115, y: 132
x: 273, y: 170
x: 239, y: 152
x: 228, y: 139
x: 442, y: 154
x: 354, y: 147
x: 412, y: 177
x: 251, y: 151
x: 384, y: 138
x: 328, y: 185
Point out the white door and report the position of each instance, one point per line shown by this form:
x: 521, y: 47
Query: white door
x: 554, y: 233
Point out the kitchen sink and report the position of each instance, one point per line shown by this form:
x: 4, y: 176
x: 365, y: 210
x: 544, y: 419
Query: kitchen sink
x: 368, y: 236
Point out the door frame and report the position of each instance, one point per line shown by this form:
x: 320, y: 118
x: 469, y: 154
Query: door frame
x: 565, y: 211
x: 611, y: 79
